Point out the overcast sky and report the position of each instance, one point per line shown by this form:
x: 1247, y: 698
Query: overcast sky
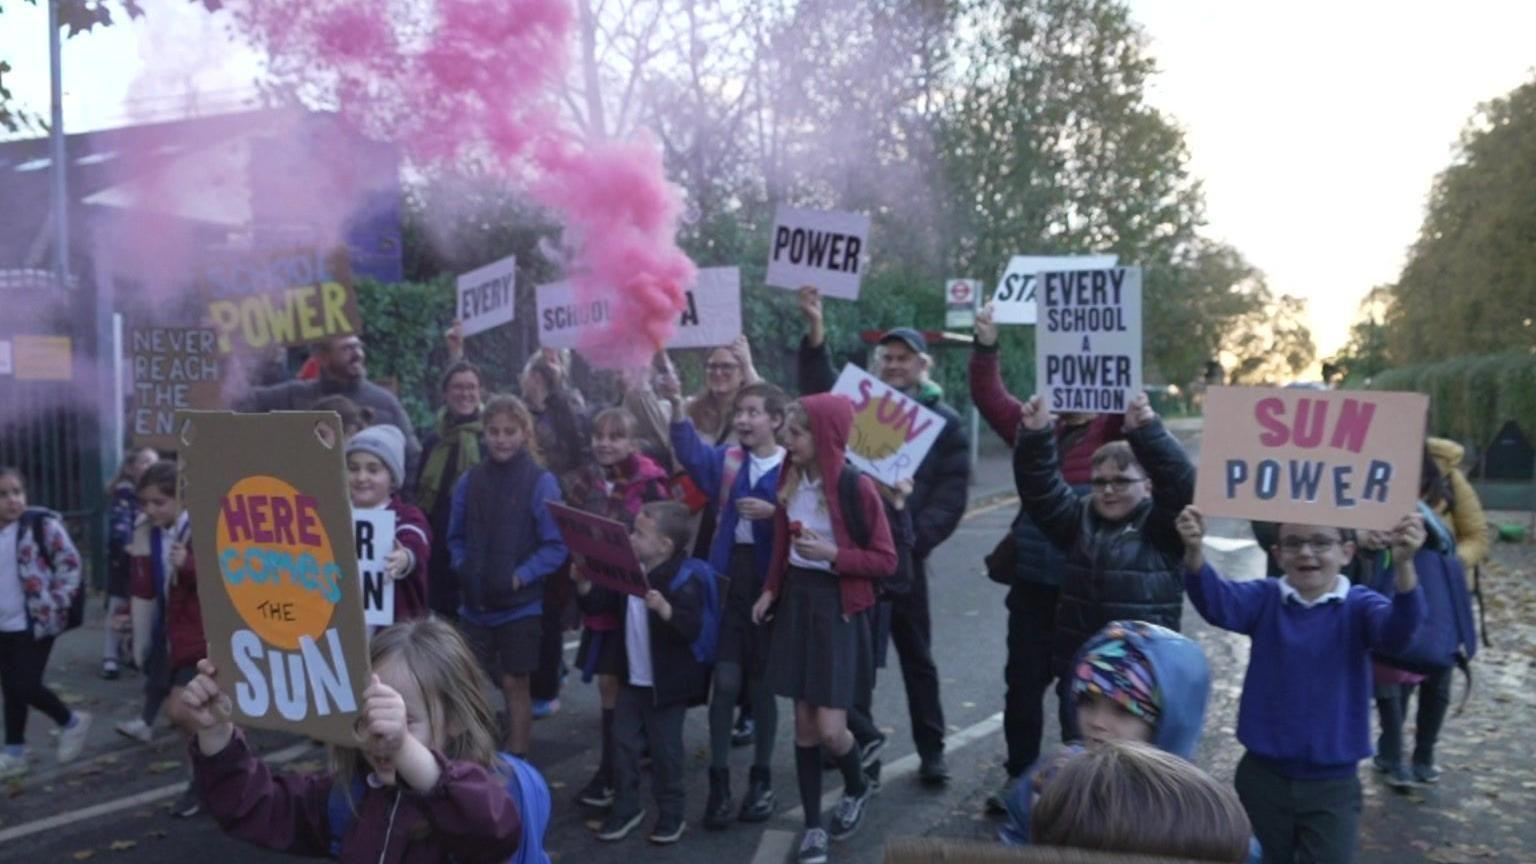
x: 1316, y: 127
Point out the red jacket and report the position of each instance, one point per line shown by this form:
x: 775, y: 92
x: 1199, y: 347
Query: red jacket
x: 468, y: 816
x: 1003, y: 412
x: 831, y: 417
x: 414, y: 533
x: 183, y: 613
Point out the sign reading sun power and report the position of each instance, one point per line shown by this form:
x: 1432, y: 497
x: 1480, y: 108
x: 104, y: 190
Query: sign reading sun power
x: 282, y: 607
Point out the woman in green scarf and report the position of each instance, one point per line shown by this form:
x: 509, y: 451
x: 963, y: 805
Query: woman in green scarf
x: 449, y: 449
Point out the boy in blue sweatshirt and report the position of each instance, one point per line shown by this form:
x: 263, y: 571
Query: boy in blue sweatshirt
x: 743, y: 479
x: 1305, y: 711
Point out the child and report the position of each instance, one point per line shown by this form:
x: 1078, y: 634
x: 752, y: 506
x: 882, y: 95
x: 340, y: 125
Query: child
x: 1132, y: 681
x: 1305, y: 711
x: 375, y: 469
x: 39, y: 578
x: 1121, y: 547
x: 1125, y: 796
x: 819, y: 582
x: 742, y: 480
x: 123, y: 491
x: 426, y: 784
x: 623, y: 481
x: 504, y: 543
x: 662, y: 677
x: 168, y: 617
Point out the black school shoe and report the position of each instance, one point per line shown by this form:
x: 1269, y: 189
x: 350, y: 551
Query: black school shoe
x: 759, y: 803
x: 597, y: 794
x: 617, y: 827
x: 849, y: 814
x: 933, y: 771
x: 744, y: 733
x: 719, y: 809
x: 668, y: 830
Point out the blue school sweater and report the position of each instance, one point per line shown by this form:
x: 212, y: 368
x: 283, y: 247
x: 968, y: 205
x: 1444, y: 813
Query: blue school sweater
x: 1306, y: 699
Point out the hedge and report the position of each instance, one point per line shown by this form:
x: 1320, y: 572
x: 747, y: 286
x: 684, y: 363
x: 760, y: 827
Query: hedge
x: 1471, y: 397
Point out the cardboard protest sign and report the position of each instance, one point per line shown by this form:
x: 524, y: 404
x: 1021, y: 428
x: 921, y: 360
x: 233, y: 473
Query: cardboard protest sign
x: 281, y: 298
x: 892, y: 432
x: 486, y: 299
x: 1014, y: 300
x: 563, y: 318
x: 961, y: 299
x: 1345, y: 458
x: 281, y: 602
x: 604, y: 544
x: 712, y: 310
x: 174, y: 369
x: 374, y: 533
x: 1088, y: 341
x: 820, y: 248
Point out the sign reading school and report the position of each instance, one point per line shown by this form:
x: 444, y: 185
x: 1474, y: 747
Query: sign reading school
x: 374, y: 533
x: 280, y: 601
x: 603, y: 544
x: 486, y: 299
x: 711, y: 313
x: 819, y: 248
x: 1088, y: 342
x: 174, y: 369
x: 1014, y: 300
x: 892, y: 432
x: 281, y: 298
x: 1344, y: 458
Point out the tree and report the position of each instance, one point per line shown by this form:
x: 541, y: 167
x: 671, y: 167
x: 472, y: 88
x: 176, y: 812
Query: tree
x: 1271, y: 345
x: 75, y: 17
x: 1365, y: 354
x: 1469, y: 286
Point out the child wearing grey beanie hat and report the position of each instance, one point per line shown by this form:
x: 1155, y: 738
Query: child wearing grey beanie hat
x: 388, y: 444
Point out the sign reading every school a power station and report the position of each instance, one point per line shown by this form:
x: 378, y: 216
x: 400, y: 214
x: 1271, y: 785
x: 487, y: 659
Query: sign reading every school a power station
x: 820, y: 248
x: 1088, y: 339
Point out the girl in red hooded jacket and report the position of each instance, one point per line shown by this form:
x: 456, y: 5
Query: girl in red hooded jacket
x: 819, y: 587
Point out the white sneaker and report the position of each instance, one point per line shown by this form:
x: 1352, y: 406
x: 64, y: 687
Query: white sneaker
x: 12, y: 766
x: 136, y: 729
x: 72, y: 739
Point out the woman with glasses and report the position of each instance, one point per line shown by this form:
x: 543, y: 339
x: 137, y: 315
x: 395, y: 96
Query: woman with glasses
x: 727, y: 369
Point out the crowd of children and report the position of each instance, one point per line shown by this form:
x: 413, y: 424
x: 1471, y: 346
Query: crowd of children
x: 765, y: 552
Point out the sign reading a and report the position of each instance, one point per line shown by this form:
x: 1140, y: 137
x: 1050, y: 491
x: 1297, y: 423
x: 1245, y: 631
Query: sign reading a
x: 1014, y: 300
x: 281, y: 298
x: 892, y: 432
x: 604, y: 545
x: 819, y: 248
x: 281, y: 604
x: 486, y: 298
x: 1088, y: 344
x: 374, y: 532
x: 1307, y: 457
x: 962, y: 297
x: 174, y: 368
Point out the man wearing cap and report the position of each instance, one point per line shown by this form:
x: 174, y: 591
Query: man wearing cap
x: 342, y: 372
x: 937, y: 503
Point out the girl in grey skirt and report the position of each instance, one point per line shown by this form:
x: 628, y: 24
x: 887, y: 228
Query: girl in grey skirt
x: 818, y: 589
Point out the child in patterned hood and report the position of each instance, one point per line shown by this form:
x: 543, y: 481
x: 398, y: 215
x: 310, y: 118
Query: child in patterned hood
x: 1132, y: 681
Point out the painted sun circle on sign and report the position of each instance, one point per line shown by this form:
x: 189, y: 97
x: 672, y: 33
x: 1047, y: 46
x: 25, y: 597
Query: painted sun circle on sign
x: 276, y: 561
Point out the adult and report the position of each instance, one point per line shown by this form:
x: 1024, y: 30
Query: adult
x: 344, y: 372
x: 1027, y: 563
x: 727, y: 369
x: 448, y: 450
x: 937, y: 502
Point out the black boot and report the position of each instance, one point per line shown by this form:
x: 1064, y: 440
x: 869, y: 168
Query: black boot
x: 759, y: 803
x: 719, y: 809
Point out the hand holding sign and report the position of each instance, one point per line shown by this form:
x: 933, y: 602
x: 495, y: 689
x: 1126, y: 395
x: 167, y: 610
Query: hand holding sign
x: 1034, y: 417
x: 1191, y: 528
x: 986, y: 328
x: 1139, y: 413
x: 383, y: 727
x: 1407, y: 537
x: 397, y: 562
x: 206, y: 707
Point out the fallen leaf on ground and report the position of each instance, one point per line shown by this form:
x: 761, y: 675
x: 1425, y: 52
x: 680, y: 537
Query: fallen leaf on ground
x: 123, y: 845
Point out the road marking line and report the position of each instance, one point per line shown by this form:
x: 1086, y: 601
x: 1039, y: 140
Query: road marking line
x: 774, y: 847
x: 149, y: 796
x: 909, y: 763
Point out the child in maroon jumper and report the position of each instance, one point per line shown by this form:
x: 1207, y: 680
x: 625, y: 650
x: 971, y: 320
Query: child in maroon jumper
x: 375, y: 470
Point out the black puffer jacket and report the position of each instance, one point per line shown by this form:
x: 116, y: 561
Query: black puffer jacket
x: 1129, y: 570
x: 942, y: 483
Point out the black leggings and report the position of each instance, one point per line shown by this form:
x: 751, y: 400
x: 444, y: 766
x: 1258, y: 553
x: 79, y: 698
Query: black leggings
x: 22, y: 660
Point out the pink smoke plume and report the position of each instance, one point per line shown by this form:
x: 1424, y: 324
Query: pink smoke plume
x: 476, y: 79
